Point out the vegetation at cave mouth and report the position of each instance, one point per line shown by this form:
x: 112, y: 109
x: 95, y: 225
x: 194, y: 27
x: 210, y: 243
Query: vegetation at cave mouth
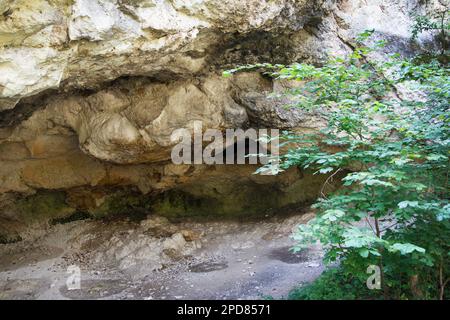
x: 392, y: 215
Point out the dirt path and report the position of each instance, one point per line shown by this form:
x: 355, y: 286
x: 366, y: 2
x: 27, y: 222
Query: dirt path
x: 159, y: 260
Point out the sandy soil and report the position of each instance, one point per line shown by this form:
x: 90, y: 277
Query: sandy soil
x: 126, y: 260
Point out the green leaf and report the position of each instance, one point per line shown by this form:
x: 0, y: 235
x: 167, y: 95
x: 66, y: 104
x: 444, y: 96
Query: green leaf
x: 364, y: 252
x: 405, y: 204
x: 405, y: 248
x: 436, y: 157
x: 227, y: 74
x: 333, y: 215
x: 326, y: 170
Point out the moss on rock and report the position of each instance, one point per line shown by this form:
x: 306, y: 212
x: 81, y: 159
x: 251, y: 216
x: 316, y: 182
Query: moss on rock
x: 43, y: 206
x: 122, y: 202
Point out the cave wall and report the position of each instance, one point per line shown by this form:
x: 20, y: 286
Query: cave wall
x: 90, y: 91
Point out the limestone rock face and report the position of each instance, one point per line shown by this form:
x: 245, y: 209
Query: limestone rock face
x: 115, y: 138
x: 132, y: 121
x: 85, y: 43
x: 91, y: 91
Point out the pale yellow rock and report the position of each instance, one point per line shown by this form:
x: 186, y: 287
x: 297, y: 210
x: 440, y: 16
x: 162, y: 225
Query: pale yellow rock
x: 86, y: 43
x: 70, y: 170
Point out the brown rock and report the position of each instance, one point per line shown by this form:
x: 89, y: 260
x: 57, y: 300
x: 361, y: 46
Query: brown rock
x: 190, y: 235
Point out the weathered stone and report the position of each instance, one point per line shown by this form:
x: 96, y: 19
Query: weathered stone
x: 110, y: 38
x: 91, y: 91
x: 68, y: 171
x: 190, y: 235
x: 158, y: 226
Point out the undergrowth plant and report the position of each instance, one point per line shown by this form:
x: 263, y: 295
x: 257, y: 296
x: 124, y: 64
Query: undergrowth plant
x: 391, y: 151
x: 437, y: 22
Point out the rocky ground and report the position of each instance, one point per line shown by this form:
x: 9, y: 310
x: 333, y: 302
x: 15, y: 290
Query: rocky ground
x: 156, y: 259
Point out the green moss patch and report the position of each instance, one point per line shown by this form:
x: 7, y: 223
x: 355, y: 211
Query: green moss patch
x: 8, y: 238
x: 130, y: 203
x: 76, y: 216
x: 43, y: 206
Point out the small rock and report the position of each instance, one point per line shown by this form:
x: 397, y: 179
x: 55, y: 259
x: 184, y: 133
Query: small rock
x: 190, y: 235
x: 267, y: 236
x: 158, y: 226
x: 174, y: 245
x: 313, y: 265
x: 247, y: 245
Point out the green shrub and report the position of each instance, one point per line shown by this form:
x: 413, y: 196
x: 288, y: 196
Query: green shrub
x: 333, y: 284
x: 394, y: 209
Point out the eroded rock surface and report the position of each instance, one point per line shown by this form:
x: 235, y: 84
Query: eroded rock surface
x: 91, y: 90
x: 85, y: 43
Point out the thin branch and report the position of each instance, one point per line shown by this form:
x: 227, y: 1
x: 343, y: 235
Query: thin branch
x: 370, y: 225
x: 387, y: 228
x: 322, y: 191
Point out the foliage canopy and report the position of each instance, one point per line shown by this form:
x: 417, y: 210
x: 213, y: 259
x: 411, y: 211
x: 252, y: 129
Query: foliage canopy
x: 391, y: 151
